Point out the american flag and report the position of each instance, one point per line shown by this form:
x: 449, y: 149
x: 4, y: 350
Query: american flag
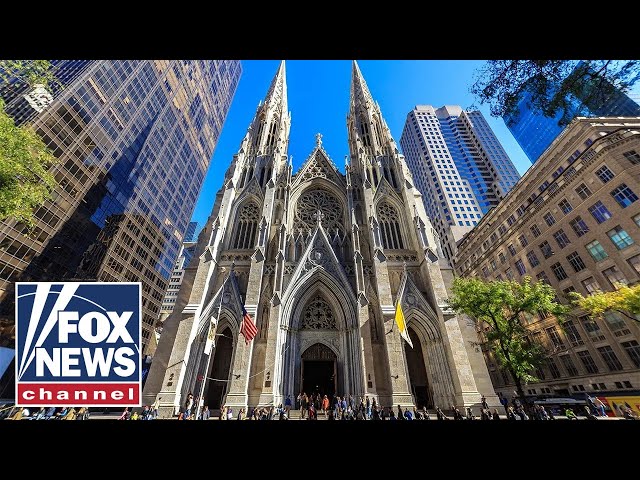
x: 247, y: 328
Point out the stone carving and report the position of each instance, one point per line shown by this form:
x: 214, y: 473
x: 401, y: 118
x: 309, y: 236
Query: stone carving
x: 307, y: 209
x: 318, y: 316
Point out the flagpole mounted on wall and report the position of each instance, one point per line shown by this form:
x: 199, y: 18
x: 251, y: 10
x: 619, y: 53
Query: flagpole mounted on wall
x: 400, y: 321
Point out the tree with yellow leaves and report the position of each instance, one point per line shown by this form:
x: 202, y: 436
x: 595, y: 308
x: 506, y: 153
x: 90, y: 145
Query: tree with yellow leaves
x: 624, y: 300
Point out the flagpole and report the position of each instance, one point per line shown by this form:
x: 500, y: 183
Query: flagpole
x: 210, y: 356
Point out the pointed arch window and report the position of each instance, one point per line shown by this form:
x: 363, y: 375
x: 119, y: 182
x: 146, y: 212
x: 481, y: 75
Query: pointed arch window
x: 246, y: 227
x: 389, y: 227
x: 318, y: 315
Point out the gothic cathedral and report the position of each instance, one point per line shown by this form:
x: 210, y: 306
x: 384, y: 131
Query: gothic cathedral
x: 320, y: 259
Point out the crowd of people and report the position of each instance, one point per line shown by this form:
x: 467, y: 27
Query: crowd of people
x: 46, y: 413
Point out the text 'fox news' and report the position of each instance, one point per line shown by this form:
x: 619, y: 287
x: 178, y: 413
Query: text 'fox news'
x: 78, y: 344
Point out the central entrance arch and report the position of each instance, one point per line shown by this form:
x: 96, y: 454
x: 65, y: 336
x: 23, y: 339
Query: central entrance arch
x: 319, y: 373
x: 220, y: 370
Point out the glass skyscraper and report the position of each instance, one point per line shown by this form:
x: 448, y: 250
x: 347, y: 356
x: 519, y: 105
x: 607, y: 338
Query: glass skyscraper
x: 535, y: 132
x: 458, y: 165
x: 134, y: 140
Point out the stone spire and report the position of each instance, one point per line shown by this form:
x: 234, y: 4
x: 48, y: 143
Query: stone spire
x: 277, y: 94
x: 360, y: 93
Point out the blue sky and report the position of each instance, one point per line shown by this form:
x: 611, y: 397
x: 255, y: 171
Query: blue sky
x: 318, y: 94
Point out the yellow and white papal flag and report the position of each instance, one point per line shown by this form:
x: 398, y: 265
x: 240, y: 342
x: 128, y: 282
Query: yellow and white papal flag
x: 402, y: 326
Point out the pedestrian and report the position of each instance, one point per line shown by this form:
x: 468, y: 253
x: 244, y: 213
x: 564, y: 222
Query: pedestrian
x: 188, y: 404
x: 154, y: 408
x: 600, y: 407
x: 205, y: 413
x: 400, y: 415
x: 287, y: 405
x: 496, y: 415
x: 325, y: 405
x: 223, y: 413
x: 229, y: 413
x: 570, y: 415
x: 425, y: 413
x: 485, y: 405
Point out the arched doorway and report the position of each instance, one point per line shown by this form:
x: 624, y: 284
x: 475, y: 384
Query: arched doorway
x: 219, y: 375
x: 418, y: 380
x: 319, y: 371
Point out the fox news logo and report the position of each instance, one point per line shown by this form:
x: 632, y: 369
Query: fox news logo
x: 78, y: 344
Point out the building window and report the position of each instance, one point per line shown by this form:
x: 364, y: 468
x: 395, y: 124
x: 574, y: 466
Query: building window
x: 523, y: 240
x: 558, y: 271
x: 592, y: 328
x: 549, y: 218
x: 583, y: 191
x: 511, y: 249
x: 576, y: 262
x: 542, y: 277
x: 535, y: 230
x: 502, y: 229
x: 521, y: 268
x: 587, y: 361
x: 579, y: 226
x: 565, y: 206
x: 596, y: 251
x: 246, y: 227
x: 485, y: 272
x: 632, y: 156
x: 616, y: 323
x: 635, y: 263
x: 615, y: 276
x: 511, y: 220
x: 610, y: 358
x: 533, y: 260
x: 620, y: 238
x: 502, y: 257
x: 591, y: 285
x: 553, y: 368
x: 569, y: 365
x: 633, y: 350
x: 599, y: 212
x: 554, y: 335
x: 624, y: 195
x: 604, y: 174
x: 546, y: 250
x: 572, y: 333
x: 637, y: 220
x: 389, y: 227
x: 509, y: 274
x: 561, y: 238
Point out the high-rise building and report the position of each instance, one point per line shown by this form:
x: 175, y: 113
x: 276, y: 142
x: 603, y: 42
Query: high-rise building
x: 24, y: 102
x: 320, y: 259
x: 187, y: 251
x: 535, y: 132
x: 572, y: 221
x: 458, y: 165
x: 134, y: 140
x: 191, y: 231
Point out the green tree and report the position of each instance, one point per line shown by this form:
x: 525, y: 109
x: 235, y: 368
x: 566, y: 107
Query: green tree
x: 25, y: 179
x: 552, y: 84
x: 497, y: 308
x: 625, y: 300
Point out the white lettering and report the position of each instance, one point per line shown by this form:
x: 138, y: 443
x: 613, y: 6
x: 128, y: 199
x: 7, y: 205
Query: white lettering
x: 127, y: 365
x: 117, y: 395
x: 131, y: 394
x: 101, y: 393
x: 62, y: 395
x: 52, y: 362
x: 68, y: 362
x: 28, y: 394
x: 64, y: 327
x: 45, y: 394
x: 120, y: 327
x: 80, y: 394
x: 97, y: 360
x: 102, y: 327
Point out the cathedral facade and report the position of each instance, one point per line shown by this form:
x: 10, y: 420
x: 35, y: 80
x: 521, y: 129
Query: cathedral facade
x: 318, y: 259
